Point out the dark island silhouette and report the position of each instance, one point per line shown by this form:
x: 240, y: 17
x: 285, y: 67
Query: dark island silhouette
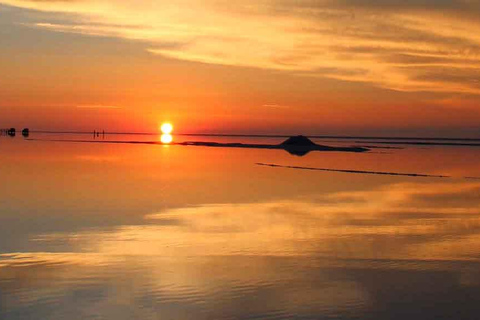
x: 296, y: 145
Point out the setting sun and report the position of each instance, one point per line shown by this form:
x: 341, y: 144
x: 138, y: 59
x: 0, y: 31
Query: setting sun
x: 166, y: 128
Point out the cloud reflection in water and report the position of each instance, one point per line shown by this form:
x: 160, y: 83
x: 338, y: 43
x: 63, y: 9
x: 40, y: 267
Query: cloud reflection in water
x: 330, y: 255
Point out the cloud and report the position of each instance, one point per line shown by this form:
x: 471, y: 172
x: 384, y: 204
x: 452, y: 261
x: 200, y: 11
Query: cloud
x: 382, y: 43
x: 276, y: 106
x: 342, y: 243
x: 95, y: 106
x: 409, y: 215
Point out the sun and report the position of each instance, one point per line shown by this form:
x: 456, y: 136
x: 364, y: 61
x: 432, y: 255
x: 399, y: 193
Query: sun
x: 166, y: 128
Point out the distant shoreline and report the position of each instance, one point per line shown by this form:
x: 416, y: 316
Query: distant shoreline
x: 294, y: 149
x: 265, y: 135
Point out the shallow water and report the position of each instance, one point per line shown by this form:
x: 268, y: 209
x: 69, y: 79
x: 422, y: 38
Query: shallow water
x: 103, y: 231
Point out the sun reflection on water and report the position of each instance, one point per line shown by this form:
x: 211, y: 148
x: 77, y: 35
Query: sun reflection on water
x: 166, y: 138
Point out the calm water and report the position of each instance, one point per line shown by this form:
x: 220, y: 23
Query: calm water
x: 104, y: 231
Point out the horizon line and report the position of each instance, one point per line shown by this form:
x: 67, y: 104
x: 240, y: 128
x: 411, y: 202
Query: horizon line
x: 314, y: 136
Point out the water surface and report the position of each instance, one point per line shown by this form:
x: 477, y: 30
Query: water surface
x: 103, y: 231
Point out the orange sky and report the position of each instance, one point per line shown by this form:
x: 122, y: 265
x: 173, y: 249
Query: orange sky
x: 264, y: 66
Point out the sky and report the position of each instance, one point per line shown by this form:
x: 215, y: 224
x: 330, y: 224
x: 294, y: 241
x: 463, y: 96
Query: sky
x: 343, y: 67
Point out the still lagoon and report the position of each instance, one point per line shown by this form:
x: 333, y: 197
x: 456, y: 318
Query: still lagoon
x: 132, y: 231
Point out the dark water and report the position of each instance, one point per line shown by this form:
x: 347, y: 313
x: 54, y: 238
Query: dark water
x: 102, y: 231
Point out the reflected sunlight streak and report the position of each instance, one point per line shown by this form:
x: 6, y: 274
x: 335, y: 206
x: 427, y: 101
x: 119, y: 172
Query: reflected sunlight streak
x: 166, y: 138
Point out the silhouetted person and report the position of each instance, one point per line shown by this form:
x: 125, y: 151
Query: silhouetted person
x: 11, y: 132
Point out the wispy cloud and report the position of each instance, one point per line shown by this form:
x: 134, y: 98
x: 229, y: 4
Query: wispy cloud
x: 276, y: 106
x: 427, y: 212
x: 97, y: 107
x: 426, y: 45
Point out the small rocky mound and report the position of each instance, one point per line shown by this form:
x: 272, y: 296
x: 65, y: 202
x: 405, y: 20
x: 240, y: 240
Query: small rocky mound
x: 300, y: 141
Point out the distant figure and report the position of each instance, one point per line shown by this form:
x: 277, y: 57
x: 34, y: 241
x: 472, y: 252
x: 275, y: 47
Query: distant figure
x: 11, y: 132
x: 25, y: 132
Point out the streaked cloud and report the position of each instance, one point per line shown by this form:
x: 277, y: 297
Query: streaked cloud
x: 99, y: 106
x: 221, y: 251
x: 431, y: 46
x: 425, y: 213
x: 276, y: 106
